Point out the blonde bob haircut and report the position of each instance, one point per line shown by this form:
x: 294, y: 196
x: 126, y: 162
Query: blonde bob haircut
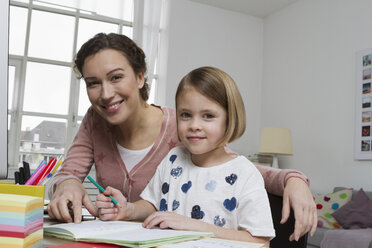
x: 218, y: 86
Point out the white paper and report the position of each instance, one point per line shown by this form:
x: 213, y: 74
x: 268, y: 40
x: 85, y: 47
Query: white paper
x: 93, y: 227
x: 212, y: 243
x: 142, y: 234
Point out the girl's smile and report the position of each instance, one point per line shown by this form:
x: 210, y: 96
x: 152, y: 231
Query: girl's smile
x: 195, y: 138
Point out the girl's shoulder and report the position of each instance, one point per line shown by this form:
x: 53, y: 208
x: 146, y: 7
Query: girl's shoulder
x: 241, y: 165
x: 238, y: 162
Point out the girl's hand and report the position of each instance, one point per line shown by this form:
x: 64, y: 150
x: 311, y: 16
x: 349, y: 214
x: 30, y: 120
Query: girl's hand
x: 170, y: 220
x: 180, y: 222
x: 107, y: 209
x: 298, y: 196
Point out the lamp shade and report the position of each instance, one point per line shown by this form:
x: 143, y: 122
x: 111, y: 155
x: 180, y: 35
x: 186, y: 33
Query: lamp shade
x: 275, y: 140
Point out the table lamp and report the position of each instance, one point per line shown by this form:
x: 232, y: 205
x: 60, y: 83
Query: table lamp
x: 275, y: 141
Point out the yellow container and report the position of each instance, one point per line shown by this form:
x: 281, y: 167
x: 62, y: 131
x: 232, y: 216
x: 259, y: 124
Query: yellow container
x: 34, y: 239
x: 31, y: 190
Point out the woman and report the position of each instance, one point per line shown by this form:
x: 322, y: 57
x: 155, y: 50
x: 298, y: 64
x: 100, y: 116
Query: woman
x: 126, y: 138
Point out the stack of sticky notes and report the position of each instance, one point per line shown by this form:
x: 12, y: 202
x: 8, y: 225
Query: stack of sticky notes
x: 21, y: 221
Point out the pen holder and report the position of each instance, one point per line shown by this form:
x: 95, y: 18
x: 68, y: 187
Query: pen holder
x: 21, y: 215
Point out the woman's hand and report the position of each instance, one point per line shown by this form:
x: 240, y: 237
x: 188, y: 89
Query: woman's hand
x: 170, y: 220
x: 106, y: 208
x: 70, y: 191
x: 298, y: 196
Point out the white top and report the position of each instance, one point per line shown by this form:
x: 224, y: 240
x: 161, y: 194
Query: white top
x: 230, y: 195
x: 132, y: 157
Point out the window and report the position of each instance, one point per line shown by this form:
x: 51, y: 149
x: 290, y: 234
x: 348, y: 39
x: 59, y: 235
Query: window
x: 46, y: 101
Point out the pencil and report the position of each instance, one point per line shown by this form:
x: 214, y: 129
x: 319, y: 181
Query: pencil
x: 101, y: 189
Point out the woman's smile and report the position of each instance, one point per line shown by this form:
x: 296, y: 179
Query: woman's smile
x: 113, y: 107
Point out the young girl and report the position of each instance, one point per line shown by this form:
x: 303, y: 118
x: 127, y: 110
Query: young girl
x: 200, y: 186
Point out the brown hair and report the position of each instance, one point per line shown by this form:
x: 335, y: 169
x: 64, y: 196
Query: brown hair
x: 121, y: 43
x: 221, y: 88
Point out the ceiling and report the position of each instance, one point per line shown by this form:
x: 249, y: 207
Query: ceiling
x: 258, y: 8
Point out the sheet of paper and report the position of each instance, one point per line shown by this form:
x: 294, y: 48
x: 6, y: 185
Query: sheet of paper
x: 93, y: 227
x: 143, y: 234
x: 213, y: 243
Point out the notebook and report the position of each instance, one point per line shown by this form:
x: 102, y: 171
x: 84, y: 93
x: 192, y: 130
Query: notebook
x: 84, y: 245
x: 125, y: 233
x: 214, y: 243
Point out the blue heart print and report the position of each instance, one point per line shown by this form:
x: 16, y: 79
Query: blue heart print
x: 175, y: 205
x: 230, y: 204
x: 196, y: 213
x: 219, y: 221
x: 211, y: 186
x: 186, y: 186
x: 176, y: 172
x: 231, y: 179
x: 165, y: 188
x: 173, y: 158
x: 163, y: 205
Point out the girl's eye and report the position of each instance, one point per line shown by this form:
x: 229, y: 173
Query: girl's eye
x: 185, y: 115
x: 208, y: 116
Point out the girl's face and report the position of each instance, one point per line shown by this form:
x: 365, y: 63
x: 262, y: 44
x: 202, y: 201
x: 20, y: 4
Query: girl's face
x: 112, y: 85
x: 201, y: 122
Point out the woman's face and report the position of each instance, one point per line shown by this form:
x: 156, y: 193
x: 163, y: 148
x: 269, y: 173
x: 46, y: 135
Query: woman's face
x: 112, y: 85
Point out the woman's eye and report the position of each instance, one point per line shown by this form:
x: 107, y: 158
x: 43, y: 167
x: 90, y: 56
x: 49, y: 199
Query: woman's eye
x: 116, y: 77
x: 91, y: 84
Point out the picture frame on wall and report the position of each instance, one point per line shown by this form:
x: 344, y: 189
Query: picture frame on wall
x: 363, y: 106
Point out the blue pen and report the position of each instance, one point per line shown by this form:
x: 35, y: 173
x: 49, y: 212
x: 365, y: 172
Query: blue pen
x: 101, y: 189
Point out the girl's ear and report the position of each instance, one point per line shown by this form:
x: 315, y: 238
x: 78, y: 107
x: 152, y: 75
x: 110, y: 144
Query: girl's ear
x: 140, y: 80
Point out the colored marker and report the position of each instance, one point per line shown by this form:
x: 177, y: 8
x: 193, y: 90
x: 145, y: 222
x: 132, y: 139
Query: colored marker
x: 27, y: 170
x: 101, y: 189
x: 55, y: 168
x: 36, y: 174
x: 46, y: 171
x: 41, y: 163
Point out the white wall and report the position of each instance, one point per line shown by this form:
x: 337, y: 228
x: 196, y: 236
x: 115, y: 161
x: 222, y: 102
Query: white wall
x: 308, y: 86
x: 201, y: 35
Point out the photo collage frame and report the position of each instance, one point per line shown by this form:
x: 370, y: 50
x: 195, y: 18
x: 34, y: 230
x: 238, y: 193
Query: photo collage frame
x: 363, y: 106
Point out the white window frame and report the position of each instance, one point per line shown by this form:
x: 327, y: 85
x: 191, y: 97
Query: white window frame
x: 20, y: 62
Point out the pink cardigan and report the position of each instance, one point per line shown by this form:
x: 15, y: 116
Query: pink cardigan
x: 95, y: 144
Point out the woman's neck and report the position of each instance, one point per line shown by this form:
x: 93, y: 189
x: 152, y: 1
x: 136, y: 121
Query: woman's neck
x: 142, y: 129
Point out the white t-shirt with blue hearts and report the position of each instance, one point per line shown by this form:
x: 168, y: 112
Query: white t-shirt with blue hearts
x: 230, y: 195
